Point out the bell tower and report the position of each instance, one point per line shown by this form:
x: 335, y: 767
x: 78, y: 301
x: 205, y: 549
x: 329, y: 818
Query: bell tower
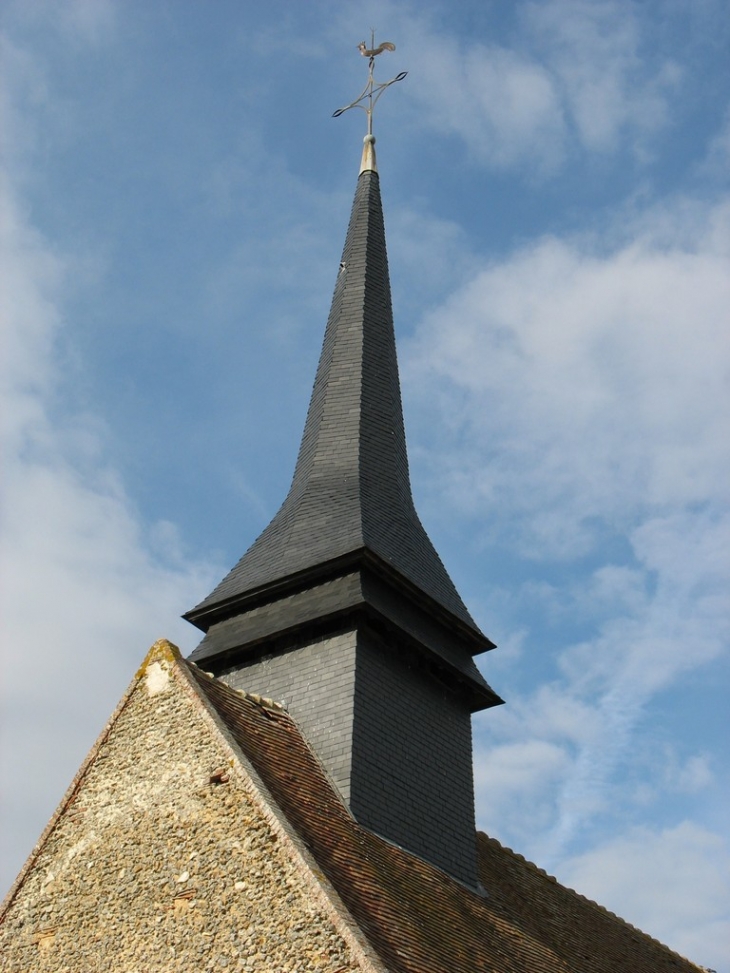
x: 342, y: 609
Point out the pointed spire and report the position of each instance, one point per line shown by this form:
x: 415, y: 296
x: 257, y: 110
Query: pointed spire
x: 342, y: 608
x: 351, y: 490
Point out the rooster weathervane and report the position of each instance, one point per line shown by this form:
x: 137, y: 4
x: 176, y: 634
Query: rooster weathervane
x: 372, y: 90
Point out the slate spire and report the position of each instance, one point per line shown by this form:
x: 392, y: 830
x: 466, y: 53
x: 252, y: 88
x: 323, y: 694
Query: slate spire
x: 351, y: 490
x: 342, y: 610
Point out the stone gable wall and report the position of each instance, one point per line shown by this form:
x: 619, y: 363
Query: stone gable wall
x: 164, y: 859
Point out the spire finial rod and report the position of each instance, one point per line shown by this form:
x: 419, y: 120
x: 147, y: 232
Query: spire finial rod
x: 372, y: 91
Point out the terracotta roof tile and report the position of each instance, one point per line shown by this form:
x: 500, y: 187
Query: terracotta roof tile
x: 418, y: 919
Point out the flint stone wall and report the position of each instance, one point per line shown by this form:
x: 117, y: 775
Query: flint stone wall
x: 152, y: 866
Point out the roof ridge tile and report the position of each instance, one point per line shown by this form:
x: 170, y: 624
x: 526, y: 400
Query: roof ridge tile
x: 579, y: 895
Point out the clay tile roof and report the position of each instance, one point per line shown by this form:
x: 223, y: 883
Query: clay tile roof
x: 418, y: 919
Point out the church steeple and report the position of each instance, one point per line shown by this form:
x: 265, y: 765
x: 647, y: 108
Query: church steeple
x: 342, y: 609
x: 351, y: 491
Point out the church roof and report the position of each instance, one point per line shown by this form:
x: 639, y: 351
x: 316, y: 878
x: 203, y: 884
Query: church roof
x: 350, y: 496
x: 417, y: 918
x: 113, y: 867
x: 152, y: 860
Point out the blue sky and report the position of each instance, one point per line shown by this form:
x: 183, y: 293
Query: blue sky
x: 175, y: 196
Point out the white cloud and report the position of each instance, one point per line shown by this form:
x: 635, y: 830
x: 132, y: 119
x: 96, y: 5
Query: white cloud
x: 717, y: 161
x: 87, y: 23
x: 428, y: 257
x: 501, y: 103
x: 85, y: 584
x: 28, y: 315
x: 694, y: 775
x: 593, y: 50
x: 578, y: 394
x: 599, y: 378
x: 516, y: 776
x: 576, y: 75
x: 580, y: 729
x: 643, y: 647
x: 675, y: 883
x: 527, y: 757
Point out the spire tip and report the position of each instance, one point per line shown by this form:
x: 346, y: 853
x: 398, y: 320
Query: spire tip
x: 369, y: 97
x: 368, y: 162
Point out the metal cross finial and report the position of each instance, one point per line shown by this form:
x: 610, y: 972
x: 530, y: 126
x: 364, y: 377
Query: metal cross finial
x: 372, y: 91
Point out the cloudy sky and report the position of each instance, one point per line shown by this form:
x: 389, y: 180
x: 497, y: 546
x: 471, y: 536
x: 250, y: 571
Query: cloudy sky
x: 175, y: 196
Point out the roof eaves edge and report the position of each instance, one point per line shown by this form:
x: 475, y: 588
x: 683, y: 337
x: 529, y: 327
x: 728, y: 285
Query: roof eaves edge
x: 584, y: 898
x: 234, y: 604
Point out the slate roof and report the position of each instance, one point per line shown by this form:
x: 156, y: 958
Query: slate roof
x: 416, y: 918
x: 351, y: 489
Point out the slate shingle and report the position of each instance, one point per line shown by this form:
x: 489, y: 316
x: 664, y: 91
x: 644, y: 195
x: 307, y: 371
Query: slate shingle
x: 351, y: 487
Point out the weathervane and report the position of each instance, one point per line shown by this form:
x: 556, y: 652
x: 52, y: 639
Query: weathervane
x: 372, y: 91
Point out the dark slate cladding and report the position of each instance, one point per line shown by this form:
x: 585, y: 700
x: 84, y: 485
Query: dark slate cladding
x: 342, y: 608
x: 324, y: 607
x: 315, y: 681
x: 424, y: 798
x: 366, y: 709
x: 351, y: 487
